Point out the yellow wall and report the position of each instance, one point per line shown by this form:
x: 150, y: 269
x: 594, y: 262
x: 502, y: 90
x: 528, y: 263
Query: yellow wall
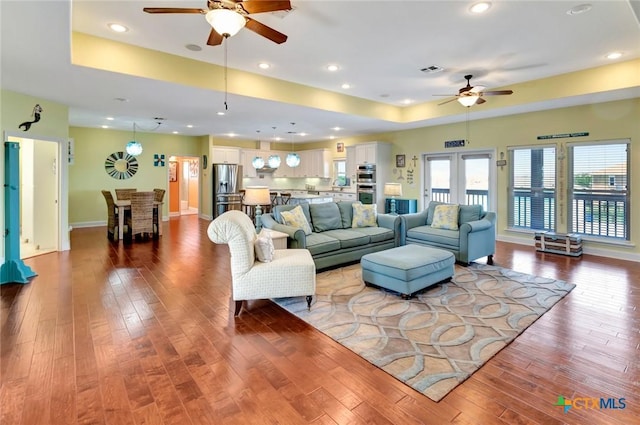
x: 16, y: 108
x: 87, y: 176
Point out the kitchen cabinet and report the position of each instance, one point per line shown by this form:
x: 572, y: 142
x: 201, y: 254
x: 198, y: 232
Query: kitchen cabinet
x: 314, y: 163
x: 372, y: 153
x: 224, y: 155
x: 351, y: 164
x: 344, y: 196
x: 284, y: 170
x: 246, y: 158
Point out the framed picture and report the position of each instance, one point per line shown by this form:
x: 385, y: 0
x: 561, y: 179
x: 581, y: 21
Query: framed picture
x: 400, y: 161
x: 173, y: 171
x: 193, y: 168
x: 340, y: 147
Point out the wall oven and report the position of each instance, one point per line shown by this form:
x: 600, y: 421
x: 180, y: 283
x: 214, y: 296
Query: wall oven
x: 367, y: 193
x: 366, y: 173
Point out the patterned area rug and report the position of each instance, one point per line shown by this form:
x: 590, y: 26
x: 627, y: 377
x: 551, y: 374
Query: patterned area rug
x: 436, y: 340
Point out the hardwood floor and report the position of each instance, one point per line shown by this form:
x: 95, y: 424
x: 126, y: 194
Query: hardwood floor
x: 142, y: 333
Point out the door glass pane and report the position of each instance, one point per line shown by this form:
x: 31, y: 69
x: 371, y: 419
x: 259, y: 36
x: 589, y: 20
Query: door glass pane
x: 440, y: 179
x: 477, y: 182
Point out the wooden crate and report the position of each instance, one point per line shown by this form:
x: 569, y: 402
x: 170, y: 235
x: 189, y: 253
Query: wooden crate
x: 559, y: 243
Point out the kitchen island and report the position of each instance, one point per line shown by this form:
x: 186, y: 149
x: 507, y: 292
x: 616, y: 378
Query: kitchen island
x: 311, y: 199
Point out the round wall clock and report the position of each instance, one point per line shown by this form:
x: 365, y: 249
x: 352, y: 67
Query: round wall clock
x: 121, y: 165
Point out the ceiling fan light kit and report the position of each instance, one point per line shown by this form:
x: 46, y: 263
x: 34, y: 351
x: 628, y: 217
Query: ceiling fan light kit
x: 472, y: 95
x: 225, y: 22
x: 468, y: 100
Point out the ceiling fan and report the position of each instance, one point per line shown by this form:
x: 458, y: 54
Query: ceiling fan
x: 227, y: 17
x: 472, y: 95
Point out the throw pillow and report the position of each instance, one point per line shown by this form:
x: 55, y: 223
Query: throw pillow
x: 364, y: 216
x: 264, y: 247
x: 296, y: 218
x: 445, y: 217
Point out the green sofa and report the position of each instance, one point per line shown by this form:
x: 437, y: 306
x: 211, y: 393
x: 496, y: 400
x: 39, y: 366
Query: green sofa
x: 475, y: 237
x: 334, y: 241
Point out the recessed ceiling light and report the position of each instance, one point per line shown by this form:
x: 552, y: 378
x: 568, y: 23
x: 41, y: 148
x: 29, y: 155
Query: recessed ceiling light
x: 221, y: 113
x: 581, y: 8
x: 117, y: 27
x: 407, y: 102
x: 332, y: 137
x: 336, y: 129
x: 174, y: 132
x: 332, y: 68
x: 480, y: 7
x: 614, y: 55
x: 104, y: 126
x: 346, y: 86
x: 189, y: 126
x: 231, y: 134
x: 110, y: 118
x: 264, y: 65
x: 303, y: 134
x: 193, y: 47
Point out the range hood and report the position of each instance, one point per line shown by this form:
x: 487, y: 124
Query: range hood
x: 266, y: 146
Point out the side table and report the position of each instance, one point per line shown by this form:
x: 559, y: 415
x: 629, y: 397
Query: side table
x: 279, y: 238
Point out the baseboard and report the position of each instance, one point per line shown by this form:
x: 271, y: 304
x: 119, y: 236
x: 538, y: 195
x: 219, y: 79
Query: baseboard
x: 587, y: 248
x: 81, y: 224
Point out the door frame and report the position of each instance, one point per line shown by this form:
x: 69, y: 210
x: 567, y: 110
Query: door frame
x: 457, y: 171
x: 63, y: 243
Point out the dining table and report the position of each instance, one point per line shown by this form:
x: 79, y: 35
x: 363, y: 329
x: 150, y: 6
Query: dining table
x: 125, y: 204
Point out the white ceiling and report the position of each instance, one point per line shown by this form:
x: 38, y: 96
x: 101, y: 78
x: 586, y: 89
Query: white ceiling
x: 380, y: 47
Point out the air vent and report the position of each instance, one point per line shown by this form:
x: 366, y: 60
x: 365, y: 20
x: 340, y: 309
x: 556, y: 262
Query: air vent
x: 432, y: 69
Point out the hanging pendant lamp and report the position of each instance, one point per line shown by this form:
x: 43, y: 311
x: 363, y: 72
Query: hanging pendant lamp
x: 293, y: 159
x: 133, y: 148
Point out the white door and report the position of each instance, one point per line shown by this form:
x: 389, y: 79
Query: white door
x: 460, y: 178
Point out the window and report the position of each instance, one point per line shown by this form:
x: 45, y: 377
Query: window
x: 598, y: 189
x: 532, y: 188
x: 340, y: 172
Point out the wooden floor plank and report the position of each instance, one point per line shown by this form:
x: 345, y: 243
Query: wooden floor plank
x: 142, y: 333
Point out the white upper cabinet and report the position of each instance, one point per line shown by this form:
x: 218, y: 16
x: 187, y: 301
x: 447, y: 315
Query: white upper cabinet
x: 224, y: 155
x: 366, y: 153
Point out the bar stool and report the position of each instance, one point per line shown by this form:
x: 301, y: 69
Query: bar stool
x: 284, y: 198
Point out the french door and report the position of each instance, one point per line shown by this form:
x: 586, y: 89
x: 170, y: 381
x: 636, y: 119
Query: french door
x: 460, y: 178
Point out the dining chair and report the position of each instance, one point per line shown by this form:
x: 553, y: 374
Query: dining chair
x: 112, y: 215
x: 157, y: 210
x: 141, y: 220
x: 159, y: 195
x: 124, y: 194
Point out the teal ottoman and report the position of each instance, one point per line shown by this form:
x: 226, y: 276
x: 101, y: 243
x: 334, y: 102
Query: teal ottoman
x: 407, y: 269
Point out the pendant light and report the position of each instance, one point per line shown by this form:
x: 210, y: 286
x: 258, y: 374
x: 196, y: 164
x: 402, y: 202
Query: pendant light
x: 293, y: 159
x: 257, y: 162
x: 134, y: 148
x: 274, y: 160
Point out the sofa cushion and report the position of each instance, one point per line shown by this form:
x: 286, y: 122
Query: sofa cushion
x: 319, y: 243
x: 445, y: 217
x: 349, y: 238
x: 296, y: 218
x: 431, y: 210
x: 469, y: 213
x: 346, y: 213
x: 434, y: 236
x: 376, y: 234
x: 364, y: 216
x: 325, y: 216
x: 278, y: 209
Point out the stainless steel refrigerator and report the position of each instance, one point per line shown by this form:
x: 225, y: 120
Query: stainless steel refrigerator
x: 227, y: 182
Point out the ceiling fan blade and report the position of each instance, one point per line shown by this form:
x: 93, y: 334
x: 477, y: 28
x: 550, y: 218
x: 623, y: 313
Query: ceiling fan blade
x: 173, y: 10
x: 480, y: 101
x: 265, y: 31
x: 496, y: 92
x: 448, y: 95
x: 447, y: 101
x: 260, y: 6
x: 215, y: 39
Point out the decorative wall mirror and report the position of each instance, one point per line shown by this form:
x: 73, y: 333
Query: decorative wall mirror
x: 121, y: 165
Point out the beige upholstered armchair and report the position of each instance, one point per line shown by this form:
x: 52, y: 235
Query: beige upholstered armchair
x: 291, y: 273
